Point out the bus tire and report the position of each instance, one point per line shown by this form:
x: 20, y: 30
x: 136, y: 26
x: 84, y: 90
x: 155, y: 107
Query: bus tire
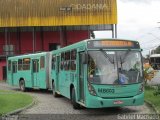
x: 22, y: 85
x: 55, y: 94
x: 73, y: 100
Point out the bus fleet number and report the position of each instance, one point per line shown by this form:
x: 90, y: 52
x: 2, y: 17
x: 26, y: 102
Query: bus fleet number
x: 102, y: 90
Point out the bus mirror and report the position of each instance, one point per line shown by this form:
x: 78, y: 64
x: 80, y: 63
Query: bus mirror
x: 141, y: 49
x: 84, y: 58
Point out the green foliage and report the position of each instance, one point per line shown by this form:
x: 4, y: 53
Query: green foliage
x: 148, y: 87
x: 157, y: 90
x: 149, y: 96
x: 10, y: 100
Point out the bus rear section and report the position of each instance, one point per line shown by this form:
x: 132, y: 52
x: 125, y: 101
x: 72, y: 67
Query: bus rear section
x: 29, y: 71
x: 108, y: 73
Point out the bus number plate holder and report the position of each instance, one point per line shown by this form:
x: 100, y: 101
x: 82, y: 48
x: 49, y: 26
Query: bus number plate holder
x: 118, y: 102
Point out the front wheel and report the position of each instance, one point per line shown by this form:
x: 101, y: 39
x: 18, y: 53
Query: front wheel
x: 22, y: 85
x: 73, y: 100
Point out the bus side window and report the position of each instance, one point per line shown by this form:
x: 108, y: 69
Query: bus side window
x: 62, y: 61
x: 20, y: 66
x: 14, y: 67
x: 73, y: 59
x: 92, y: 67
x: 67, y: 61
x: 26, y: 64
x: 42, y: 62
x: 9, y: 65
x: 53, y: 62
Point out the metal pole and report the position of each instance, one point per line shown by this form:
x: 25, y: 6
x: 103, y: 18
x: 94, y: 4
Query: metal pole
x: 33, y: 37
x: 61, y: 37
x: 115, y: 30
x: 6, y: 48
x: 42, y: 39
x: 6, y: 36
x: 35, y: 43
x: 89, y: 32
x: 19, y: 40
x: 112, y: 30
x: 65, y: 36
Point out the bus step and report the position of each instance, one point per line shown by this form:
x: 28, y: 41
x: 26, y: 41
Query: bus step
x: 81, y: 103
x: 58, y: 92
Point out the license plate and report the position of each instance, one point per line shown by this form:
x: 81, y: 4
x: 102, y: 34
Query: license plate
x: 117, y: 102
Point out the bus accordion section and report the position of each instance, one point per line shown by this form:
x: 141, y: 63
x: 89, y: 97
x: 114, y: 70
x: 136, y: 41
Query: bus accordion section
x: 29, y: 71
x: 99, y: 73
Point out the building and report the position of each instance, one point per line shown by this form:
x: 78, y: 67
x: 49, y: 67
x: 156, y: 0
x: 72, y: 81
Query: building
x: 29, y: 26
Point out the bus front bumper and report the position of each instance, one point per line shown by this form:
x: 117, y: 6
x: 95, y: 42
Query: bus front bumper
x: 98, y: 102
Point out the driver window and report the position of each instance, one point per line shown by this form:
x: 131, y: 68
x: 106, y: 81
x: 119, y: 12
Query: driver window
x: 91, y: 68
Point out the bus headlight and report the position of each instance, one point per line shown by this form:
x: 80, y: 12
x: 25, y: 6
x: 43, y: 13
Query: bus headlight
x: 91, y: 90
x: 141, y: 89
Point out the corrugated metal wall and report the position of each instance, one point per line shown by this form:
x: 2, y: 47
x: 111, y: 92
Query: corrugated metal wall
x: 57, y: 12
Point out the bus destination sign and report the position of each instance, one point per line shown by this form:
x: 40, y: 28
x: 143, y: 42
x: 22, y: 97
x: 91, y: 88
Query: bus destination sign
x: 116, y: 43
x: 112, y: 44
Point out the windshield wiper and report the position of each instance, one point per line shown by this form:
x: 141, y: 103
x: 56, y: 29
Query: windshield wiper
x: 123, y: 59
x: 107, y: 56
x: 121, y: 62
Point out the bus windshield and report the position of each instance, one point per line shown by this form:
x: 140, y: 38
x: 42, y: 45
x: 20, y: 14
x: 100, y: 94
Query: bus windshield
x: 114, y: 67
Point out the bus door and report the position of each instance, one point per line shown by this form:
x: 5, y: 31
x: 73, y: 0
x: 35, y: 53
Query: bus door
x: 14, y: 71
x: 9, y: 73
x: 57, y: 72
x: 35, y: 69
x: 81, y: 76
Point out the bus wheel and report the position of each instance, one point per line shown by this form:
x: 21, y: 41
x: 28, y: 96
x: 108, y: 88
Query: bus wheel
x: 53, y: 91
x: 22, y: 85
x: 73, y: 100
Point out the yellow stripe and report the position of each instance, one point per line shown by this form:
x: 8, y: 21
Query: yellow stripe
x: 57, y: 12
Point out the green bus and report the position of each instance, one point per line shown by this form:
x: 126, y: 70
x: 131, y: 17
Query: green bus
x: 30, y: 71
x: 99, y: 73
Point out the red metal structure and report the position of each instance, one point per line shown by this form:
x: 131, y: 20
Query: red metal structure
x: 24, y: 42
x: 29, y: 26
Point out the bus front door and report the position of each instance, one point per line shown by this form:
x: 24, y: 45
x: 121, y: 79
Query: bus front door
x: 12, y: 74
x: 14, y: 71
x: 81, y: 77
x: 35, y: 69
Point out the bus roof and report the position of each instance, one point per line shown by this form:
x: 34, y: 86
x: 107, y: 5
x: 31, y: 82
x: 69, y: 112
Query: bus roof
x: 28, y: 55
x: 84, y: 43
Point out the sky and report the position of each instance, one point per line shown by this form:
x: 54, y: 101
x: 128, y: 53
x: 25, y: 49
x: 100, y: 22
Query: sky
x: 138, y: 20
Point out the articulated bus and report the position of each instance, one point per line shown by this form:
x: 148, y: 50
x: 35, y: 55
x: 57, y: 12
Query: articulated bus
x: 94, y: 73
x: 29, y: 71
x: 99, y: 73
